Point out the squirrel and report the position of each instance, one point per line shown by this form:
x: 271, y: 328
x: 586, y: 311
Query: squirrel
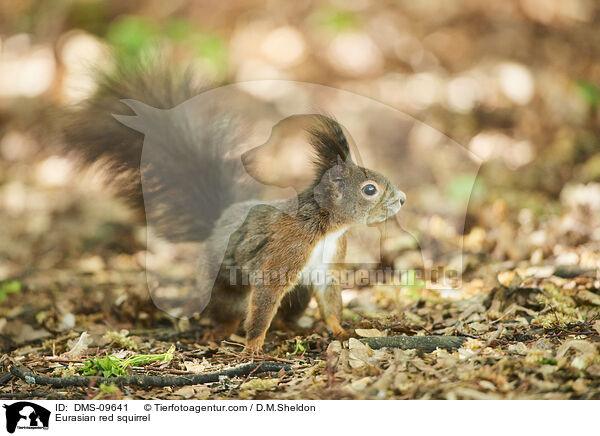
x: 291, y: 238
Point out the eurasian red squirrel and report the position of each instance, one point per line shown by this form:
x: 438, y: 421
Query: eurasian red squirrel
x: 289, y: 238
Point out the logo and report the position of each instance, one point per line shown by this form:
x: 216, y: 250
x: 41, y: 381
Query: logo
x: 26, y: 415
x: 235, y: 163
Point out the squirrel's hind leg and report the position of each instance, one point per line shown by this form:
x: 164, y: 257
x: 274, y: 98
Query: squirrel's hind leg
x: 263, y: 305
x: 223, y: 330
x: 294, y: 304
x: 227, y: 307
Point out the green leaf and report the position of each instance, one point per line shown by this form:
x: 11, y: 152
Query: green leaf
x: 300, y: 347
x: 590, y: 93
x: 132, y: 35
x: 211, y: 49
x: 108, y: 389
x: 113, y: 366
x: 337, y: 20
x: 142, y: 359
x: 9, y: 287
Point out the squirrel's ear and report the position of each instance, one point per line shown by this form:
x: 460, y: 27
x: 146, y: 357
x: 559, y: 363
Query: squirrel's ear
x: 339, y: 170
x: 332, y: 185
x: 338, y: 176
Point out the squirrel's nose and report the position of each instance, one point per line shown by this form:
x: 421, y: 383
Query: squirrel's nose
x: 402, y: 198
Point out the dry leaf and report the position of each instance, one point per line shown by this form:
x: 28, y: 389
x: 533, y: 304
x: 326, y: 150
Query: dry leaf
x: 196, y: 366
x: 589, y: 297
x: 77, y: 347
x: 260, y: 384
x: 368, y: 333
x: 185, y: 392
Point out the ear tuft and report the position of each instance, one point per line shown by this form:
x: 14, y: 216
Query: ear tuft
x: 329, y: 143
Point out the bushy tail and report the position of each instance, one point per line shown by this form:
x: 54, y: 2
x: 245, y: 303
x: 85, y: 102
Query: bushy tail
x: 175, y: 172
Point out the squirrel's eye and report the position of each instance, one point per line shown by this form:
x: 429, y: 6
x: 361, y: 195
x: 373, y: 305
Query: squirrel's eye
x: 369, y: 190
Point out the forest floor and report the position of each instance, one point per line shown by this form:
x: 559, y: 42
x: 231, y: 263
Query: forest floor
x: 531, y: 331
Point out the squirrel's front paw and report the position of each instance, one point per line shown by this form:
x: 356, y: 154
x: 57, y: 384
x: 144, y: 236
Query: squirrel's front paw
x: 336, y: 329
x: 253, y: 347
x: 341, y: 334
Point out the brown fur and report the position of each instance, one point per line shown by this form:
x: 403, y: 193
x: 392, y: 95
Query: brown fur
x: 192, y: 195
x: 276, y: 237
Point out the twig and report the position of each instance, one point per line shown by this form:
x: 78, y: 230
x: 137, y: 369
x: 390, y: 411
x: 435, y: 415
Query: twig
x: 5, y: 378
x: 425, y: 343
x: 147, y: 380
x: 236, y: 344
x: 51, y: 395
x: 261, y: 359
x: 573, y: 271
x: 398, y: 324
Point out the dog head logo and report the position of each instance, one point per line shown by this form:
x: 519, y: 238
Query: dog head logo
x: 24, y: 414
x: 267, y: 157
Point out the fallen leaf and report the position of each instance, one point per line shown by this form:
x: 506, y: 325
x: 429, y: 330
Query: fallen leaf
x: 368, y: 333
x: 196, y: 366
x: 185, y: 392
x: 509, y: 279
x: 77, y: 347
x: 260, y: 384
x: 589, y: 297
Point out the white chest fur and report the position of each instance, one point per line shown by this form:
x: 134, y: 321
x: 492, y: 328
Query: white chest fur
x: 315, y: 271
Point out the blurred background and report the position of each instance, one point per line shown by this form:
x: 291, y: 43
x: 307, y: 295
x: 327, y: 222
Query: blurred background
x: 515, y: 82
x: 512, y: 84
